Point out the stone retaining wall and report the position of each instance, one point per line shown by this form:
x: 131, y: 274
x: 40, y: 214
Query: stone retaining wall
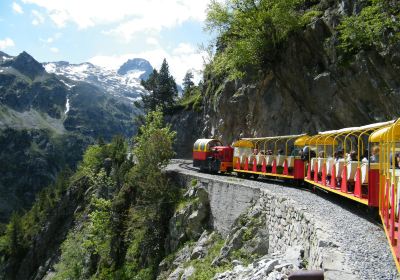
x: 287, y: 224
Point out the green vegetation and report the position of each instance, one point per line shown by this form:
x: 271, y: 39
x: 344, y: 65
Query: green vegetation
x: 21, y: 230
x: 192, y: 97
x: 194, y: 182
x: 377, y: 26
x: 203, y: 268
x: 250, y: 33
x: 124, y: 208
x: 162, y: 88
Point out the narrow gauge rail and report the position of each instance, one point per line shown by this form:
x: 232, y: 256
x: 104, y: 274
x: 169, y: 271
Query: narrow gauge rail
x: 359, y: 163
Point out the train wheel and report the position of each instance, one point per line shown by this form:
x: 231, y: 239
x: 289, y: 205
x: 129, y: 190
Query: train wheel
x: 255, y: 176
x: 246, y: 175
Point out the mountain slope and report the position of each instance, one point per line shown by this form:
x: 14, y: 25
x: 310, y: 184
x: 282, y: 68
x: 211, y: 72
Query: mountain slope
x: 46, y: 122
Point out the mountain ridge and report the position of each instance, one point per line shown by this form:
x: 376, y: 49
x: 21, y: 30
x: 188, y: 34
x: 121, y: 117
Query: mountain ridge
x: 48, y: 120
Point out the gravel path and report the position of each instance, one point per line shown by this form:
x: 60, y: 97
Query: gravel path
x: 361, y: 239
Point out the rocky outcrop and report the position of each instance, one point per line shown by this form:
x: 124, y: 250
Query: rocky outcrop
x: 188, y: 126
x: 190, y: 220
x: 26, y: 65
x: 278, y: 266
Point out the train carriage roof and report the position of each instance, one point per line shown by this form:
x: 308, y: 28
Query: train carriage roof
x: 379, y: 134
x: 358, y: 128
x: 202, y: 145
x: 387, y: 133
x: 259, y: 139
x: 243, y: 143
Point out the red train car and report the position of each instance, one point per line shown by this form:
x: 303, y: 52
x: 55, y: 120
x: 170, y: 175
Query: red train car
x: 210, y: 155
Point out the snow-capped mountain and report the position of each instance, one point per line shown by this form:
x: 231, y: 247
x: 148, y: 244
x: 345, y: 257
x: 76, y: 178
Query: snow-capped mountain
x: 137, y: 66
x: 126, y: 86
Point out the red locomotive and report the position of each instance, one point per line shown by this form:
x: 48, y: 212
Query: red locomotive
x: 210, y: 155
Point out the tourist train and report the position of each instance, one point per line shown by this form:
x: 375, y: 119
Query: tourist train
x: 359, y: 163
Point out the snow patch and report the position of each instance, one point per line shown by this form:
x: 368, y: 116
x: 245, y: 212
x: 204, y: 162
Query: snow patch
x: 68, y: 85
x: 67, y: 106
x: 50, y: 68
x: 135, y: 74
x: 6, y: 58
x: 121, y: 86
x: 78, y: 71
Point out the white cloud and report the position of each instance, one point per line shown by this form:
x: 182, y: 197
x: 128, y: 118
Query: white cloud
x: 184, y: 48
x: 152, y: 41
x: 54, y: 49
x: 6, y: 43
x: 51, y: 39
x: 179, y: 60
x: 38, y: 18
x: 17, y: 8
x: 131, y: 16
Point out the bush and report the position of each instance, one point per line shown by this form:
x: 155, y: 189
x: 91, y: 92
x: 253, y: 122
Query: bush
x: 249, y: 33
x: 377, y: 26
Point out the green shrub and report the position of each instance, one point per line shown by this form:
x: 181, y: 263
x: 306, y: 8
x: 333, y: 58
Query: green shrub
x: 249, y: 33
x: 377, y: 26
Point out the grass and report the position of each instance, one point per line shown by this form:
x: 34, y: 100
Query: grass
x: 184, y: 203
x: 194, y: 182
x: 192, y: 101
x: 203, y: 268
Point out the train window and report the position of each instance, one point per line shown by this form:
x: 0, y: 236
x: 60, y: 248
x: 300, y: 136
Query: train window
x: 202, y: 146
x: 239, y: 151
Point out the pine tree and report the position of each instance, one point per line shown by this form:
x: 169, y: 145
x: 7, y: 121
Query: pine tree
x: 188, y: 82
x: 166, y: 86
x: 14, y: 235
x: 162, y: 88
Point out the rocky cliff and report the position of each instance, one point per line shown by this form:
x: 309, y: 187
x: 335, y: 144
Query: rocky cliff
x: 309, y: 87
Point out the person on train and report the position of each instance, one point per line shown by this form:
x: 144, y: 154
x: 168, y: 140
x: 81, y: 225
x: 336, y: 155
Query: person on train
x: 321, y: 154
x: 255, y: 151
x: 307, y: 153
x: 396, y: 160
x: 280, y: 152
x: 353, y: 156
x: 338, y: 155
x: 365, y: 156
x: 375, y: 155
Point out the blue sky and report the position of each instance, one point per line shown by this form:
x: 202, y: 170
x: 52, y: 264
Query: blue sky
x: 107, y: 33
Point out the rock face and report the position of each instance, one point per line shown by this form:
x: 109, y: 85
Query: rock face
x: 189, y: 222
x: 26, y: 65
x: 308, y: 88
x: 188, y: 126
